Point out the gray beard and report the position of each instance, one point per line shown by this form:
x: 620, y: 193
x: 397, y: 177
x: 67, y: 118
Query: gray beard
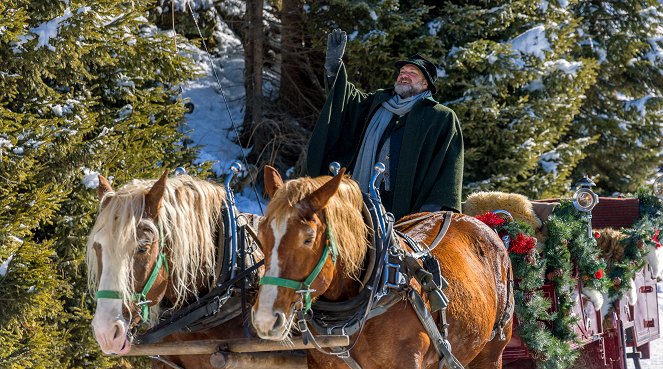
x: 409, y: 90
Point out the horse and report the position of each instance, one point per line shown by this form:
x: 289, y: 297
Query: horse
x: 153, y: 248
x: 304, y: 213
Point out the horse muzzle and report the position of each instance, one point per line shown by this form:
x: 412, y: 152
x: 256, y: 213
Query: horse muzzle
x: 268, y: 326
x: 111, y: 330
x: 112, y: 338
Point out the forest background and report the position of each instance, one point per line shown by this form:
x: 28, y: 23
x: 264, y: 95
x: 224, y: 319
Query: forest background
x: 546, y: 91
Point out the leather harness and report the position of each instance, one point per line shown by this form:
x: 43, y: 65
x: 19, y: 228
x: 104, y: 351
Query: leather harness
x: 349, y: 317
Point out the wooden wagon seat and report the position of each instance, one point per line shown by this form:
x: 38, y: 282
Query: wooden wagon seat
x: 612, y: 212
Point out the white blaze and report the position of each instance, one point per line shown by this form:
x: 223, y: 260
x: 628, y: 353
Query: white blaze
x: 264, y: 316
x: 108, y: 324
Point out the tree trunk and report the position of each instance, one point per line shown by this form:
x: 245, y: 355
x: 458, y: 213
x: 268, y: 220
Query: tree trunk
x: 253, y: 69
x: 301, y: 93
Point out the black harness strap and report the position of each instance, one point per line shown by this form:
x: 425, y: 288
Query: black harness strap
x: 441, y: 344
x: 507, y: 313
x: 206, y: 306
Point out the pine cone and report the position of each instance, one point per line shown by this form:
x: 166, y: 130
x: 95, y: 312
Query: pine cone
x: 616, y: 281
x: 554, y: 274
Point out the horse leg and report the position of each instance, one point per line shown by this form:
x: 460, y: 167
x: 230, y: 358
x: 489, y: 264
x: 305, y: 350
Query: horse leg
x: 490, y: 356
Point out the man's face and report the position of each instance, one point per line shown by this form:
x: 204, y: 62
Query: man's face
x: 410, y: 81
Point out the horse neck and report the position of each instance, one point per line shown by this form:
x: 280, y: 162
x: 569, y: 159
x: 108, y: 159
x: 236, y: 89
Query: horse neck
x: 342, y: 287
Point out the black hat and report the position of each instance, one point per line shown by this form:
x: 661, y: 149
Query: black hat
x: 426, y: 67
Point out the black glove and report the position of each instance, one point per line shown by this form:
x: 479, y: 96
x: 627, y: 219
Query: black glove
x: 336, y: 41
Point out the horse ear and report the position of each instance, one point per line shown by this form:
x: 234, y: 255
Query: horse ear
x: 104, y: 187
x: 318, y: 199
x: 154, y: 196
x: 273, y: 180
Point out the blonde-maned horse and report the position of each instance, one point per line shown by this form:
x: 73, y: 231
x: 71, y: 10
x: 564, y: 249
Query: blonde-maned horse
x: 293, y: 235
x: 164, y: 231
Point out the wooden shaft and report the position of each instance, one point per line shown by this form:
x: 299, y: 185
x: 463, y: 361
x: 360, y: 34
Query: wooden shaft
x: 231, y: 360
x: 208, y: 347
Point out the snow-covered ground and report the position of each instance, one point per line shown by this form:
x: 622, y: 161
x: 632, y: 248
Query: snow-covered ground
x: 218, y: 112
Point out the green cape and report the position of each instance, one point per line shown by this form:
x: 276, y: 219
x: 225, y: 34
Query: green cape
x: 430, y: 168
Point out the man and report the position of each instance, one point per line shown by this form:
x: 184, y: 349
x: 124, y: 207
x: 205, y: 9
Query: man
x: 419, y: 140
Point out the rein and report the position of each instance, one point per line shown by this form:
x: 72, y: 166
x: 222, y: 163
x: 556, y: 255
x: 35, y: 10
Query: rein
x: 141, y: 297
x: 304, y: 287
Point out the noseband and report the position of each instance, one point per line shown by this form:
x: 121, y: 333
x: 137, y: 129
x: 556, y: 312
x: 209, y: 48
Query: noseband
x: 304, y: 287
x: 141, y: 297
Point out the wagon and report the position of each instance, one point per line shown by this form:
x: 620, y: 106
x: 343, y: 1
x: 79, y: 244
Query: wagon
x: 627, y: 331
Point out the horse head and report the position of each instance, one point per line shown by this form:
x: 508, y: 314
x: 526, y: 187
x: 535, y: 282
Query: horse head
x: 151, y: 241
x: 301, y: 245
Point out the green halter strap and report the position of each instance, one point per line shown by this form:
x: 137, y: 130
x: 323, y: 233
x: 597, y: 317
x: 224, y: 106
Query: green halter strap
x: 305, y: 287
x: 141, y: 297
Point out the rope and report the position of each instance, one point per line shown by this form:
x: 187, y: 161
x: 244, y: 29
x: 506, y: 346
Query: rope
x: 225, y: 101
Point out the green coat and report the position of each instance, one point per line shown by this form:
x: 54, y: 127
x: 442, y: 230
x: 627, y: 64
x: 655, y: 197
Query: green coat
x: 430, y: 167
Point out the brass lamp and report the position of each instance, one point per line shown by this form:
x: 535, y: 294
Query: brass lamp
x: 584, y: 199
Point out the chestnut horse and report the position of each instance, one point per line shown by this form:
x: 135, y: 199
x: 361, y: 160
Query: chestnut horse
x: 154, y: 246
x: 293, y: 235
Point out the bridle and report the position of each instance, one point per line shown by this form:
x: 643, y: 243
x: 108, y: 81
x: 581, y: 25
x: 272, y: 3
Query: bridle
x: 304, y: 287
x: 140, y: 298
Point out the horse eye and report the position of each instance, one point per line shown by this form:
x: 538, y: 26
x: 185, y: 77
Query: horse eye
x: 308, y: 241
x: 143, y: 246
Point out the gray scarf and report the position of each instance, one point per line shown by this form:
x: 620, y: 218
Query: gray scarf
x: 367, y: 153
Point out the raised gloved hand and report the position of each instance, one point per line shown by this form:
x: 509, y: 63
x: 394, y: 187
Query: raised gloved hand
x: 336, y: 41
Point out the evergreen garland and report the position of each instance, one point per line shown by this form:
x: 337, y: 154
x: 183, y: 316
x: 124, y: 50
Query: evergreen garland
x: 569, y: 239
x: 641, y: 237
x: 531, y: 306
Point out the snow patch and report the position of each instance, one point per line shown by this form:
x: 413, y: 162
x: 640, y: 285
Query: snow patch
x: 534, y: 85
x: 549, y: 161
x: 565, y: 66
x: 90, y: 178
x: 4, y: 267
x: 46, y: 31
x: 434, y: 27
x: 638, y: 104
x: 124, y: 112
x: 532, y: 42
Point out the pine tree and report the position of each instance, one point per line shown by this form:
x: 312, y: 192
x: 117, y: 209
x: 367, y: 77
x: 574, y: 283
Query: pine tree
x: 379, y: 34
x: 507, y: 69
x: 624, y: 107
x: 509, y: 76
x: 87, y: 86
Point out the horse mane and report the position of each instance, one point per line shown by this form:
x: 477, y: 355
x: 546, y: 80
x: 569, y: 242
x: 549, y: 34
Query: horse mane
x: 343, y: 214
x: 188, y: 218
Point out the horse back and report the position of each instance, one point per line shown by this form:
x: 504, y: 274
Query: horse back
x: 475, y: 262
